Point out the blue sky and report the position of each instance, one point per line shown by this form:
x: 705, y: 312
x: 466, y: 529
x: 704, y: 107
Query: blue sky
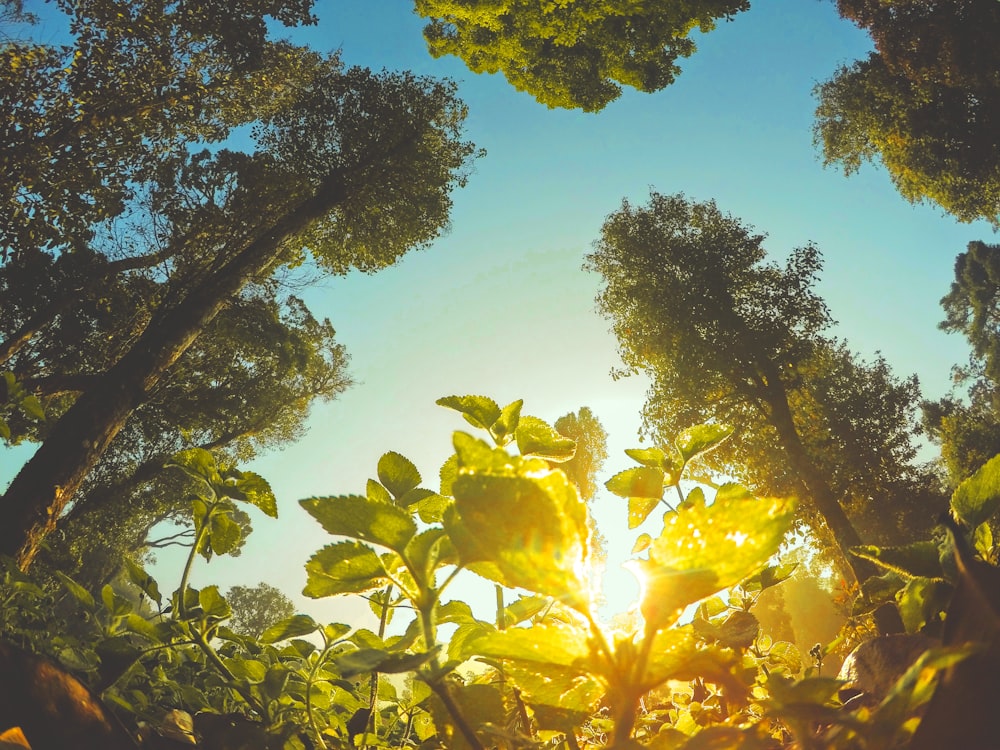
x: 500, y: 306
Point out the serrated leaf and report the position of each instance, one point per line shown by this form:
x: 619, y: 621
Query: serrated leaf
x: 701, y: 438
x: 786, y: 656
x: 977, y: 498
x: 639, y: 509
x: 507, y: 422
x: 224, y: 533
x: 704, y: 549
x: 344, y: 568
x: 360, y: 518
x: 919, y: 559
x: 198, y: 463
x: 254, y: 489
x: 250, y: 670
x: 397, y: 474
x: 212, y: 603
x: 538, y: 438
x: 448, y: 474
x: 479, y: 411
x: 639, y: 481
x: 654, y: 458
x: 378, y: 660
x: 732, y: 491
x: 290, y: 627
x: 377, y: 493
x: 473, y: 454
x: 533, y: 529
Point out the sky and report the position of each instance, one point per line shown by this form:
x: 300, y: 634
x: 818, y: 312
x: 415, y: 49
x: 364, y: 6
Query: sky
x: 500, y: 305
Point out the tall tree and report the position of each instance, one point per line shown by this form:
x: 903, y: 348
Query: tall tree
x: 591, y: 449
x: 724, y: 334
x: 572, y: 54
x: 925, y: 103
x: 355, y: 171
x: 968, y: 429
x: 256, y: 608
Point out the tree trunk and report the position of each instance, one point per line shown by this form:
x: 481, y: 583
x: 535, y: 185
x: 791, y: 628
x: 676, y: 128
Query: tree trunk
x: 39, y: 493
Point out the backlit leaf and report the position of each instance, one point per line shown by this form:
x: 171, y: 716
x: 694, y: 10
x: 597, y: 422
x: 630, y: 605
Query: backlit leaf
x: 479, y: 411
x: 397, y: 474
x: 290, y: 627
x: 360, y: 518
x: 256, y: 490
x: 639, y: 481
x: 199, y: 463
x: 536, y: 437
x: 977, y: 498
x: 344, y: 568
x: 916, y: 559
x: 639, y: 509
x: 922, y: 600
x: 703, y: 549
x: 701, y: 438
x: 507, y: 422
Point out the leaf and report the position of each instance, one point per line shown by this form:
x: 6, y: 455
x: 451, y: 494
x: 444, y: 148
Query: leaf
x: 378, y: 660
x: 224, y: 533
x: 922, y: 600
x: 506, y: 423
x: 654, y: 458
x: 524, y: 608
x: 701, y: 438
x: 213, y: 604
x: 79, y: 592
x: 290, y: 627
x: 475, y: 454
x: 479, y: 411
x: 344, y: 568
x: 143, y: 580
x: 397, y: 473
x: 703, y: 549
x: 639, y: 509
x: 377, y: 493
x: 448, y: 474
x: 31, y: 406
x: 639, y: 481
x: 976, y: 499
x: 198, y: 463
x: 536, y: 437
x: 786, y: 657
x: 535, y: 531
x: 254, y: 489
x: 919, y: 559
x: 360, y: 518
x: 642, y: 542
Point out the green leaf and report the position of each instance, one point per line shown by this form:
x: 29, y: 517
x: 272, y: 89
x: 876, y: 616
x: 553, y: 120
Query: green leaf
x: 479, y: 411
x: 224, y: 533
x: 701, y: 438
x: 250, y: 670
x: 31, y: 406
x: 448, y: 474
x: 919, y: 559
x: 143, y: 580
x: 922, y: 600
x: 732, y: 491
x: 639, y: 509
x: 378, y: 660
x: 536, y: 437
x: 642, y: 542
x: 79, y: 592
x: 425, y: 552
x: 523, y: 608
x: 290, y: 627
x: 254, y: 489
x: 533, y: 529
x: 360, y: 518
x: 639, y: 481
x: 198, y: 463
x: 212, y: 603
x: 786, y: 657
x: 507, y: 422
x: 398, y: 474
x: 976, y: 499
x: 703, y: 549
x: 654, y: 458
x: 344, y: 568
x: 478, y: 455
x: 377, y: 493
x: 4, y: 430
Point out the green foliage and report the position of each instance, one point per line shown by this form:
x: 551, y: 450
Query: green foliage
x: 574, y: 55
x: 923, y: 103
x: 256, y: 610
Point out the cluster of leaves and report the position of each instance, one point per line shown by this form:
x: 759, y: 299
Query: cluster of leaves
x: 550, y: 673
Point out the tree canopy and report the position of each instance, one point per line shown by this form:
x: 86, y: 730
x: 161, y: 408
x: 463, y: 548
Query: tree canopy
x: 576, y: 54
x: 727, y: 335
x: 925, y: 103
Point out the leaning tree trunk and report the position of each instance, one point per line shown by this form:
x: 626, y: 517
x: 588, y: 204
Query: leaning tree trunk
x: 36, y: 498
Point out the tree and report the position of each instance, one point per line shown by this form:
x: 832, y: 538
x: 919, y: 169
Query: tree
x: 725, y: 335
x: 591, y: 449
x: 968, y: 429
x: 256, y: 608
x: 576, y: 54
x: 355, y: 173
x: 924, y: 103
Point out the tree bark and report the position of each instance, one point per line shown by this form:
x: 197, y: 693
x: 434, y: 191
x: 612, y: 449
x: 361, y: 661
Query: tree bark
x: 39, y: 493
